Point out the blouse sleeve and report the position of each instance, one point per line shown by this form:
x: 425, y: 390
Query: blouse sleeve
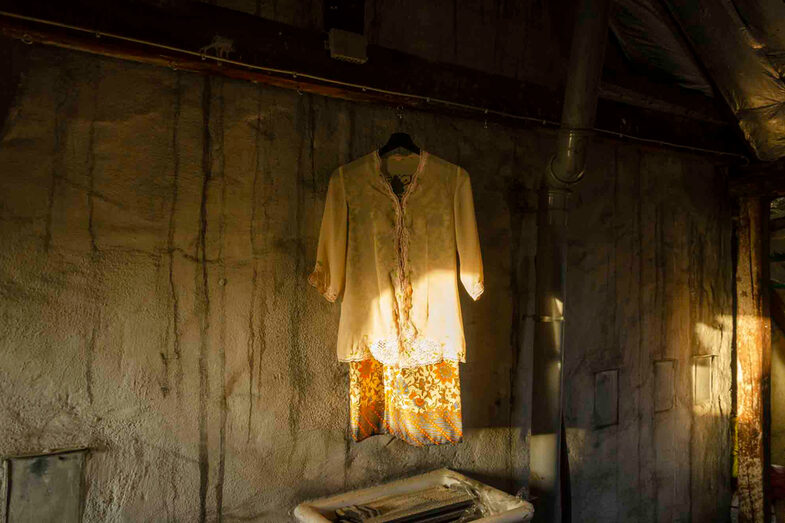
x: 466, y: 237
x: 329, y: 274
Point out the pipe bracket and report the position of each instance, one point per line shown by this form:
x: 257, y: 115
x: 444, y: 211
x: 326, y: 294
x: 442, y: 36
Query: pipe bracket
x: 547, y: 319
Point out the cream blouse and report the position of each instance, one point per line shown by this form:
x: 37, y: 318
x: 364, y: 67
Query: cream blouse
x: 394, y: 260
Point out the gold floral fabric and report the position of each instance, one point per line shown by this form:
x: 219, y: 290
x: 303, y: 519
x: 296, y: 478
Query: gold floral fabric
x: 420, y: 405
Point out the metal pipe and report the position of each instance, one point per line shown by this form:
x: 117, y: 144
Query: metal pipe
x: 564, y: 170
x: 545, y: 444
x: 581, y: 92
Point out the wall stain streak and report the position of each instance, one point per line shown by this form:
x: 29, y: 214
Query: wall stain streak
x: 91, y: 348
x: 89, y: 359
x: 203, y: 296
x: 91, y: 164
x: 352, y: 130
x: 296, y: 357
x: 219, y: 143
x: 660, y: 289
x: 514, y: 199
x: 57, y: 163
x: 348, y: 458
x: 268, y: 195
x: 638, y: 263
x: 455, y: 29
x: 173, y: 329
x: 174, y: 477
x: 250, y: 351
x: 694, y: 271
x: 314, y: 177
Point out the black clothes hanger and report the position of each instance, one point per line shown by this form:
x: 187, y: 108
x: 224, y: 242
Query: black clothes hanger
x: 397, y: 140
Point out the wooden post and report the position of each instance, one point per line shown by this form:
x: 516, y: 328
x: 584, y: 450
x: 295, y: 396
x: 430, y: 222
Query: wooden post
x: 753, y: 353
x: 777, y: 308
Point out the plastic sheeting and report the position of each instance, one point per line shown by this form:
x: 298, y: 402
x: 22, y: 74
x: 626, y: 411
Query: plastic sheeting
x: 739, y: 43
x: 648, y: 36
x: 765, y: 20
x: 492, y: 505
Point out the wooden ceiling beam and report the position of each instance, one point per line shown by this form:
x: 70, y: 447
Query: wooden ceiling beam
x: 257, y: 42
x: 763, y: 179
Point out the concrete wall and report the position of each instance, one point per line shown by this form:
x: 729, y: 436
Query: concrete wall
x: 157, y: 229
x: 649, y: 280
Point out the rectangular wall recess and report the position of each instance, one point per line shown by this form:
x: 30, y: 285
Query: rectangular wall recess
x: 47, y: 487
x: 664, y: 380
x: 606, y: 398
x: 702, y: 379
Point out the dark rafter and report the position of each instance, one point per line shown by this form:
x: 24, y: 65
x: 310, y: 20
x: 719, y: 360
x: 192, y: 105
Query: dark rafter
x: 192, y: 25
x: 760, y: 179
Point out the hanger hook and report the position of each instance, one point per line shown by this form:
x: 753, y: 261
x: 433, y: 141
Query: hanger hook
x: 399, y: 112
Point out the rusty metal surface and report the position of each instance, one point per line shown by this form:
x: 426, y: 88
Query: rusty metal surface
x: 46, y: 487
x: 753, y: 346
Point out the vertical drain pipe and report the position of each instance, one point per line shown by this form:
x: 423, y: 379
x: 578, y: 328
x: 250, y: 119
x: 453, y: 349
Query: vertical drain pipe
x: 566, y: 168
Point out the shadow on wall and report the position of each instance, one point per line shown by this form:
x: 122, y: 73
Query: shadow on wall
x: 10, y: 72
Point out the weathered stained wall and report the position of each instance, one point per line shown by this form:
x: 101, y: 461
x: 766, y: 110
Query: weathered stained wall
x: 649, y: 279
x: 157, y: 230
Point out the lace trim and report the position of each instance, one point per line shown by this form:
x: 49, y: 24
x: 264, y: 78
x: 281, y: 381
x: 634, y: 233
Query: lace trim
x: 418, y: 351
x: 319, y: 279
x: 476, y: 290
x: 406, y: 354
x: 415, y: 353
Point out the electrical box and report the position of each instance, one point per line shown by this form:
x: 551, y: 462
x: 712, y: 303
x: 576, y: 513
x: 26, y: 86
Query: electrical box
x: 347, y: 46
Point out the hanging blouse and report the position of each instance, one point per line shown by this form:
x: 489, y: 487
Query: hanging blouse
x: 394, y: 260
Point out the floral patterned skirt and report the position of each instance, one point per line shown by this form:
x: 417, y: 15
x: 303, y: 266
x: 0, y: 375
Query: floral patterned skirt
x: 420, y: 405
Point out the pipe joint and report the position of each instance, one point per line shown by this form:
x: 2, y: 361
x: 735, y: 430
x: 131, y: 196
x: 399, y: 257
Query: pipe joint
x: 568, y: 179
x: 568, y: 165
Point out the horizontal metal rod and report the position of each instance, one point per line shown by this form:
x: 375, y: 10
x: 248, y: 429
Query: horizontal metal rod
x: 48, y: 452
x: 299, y: 76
